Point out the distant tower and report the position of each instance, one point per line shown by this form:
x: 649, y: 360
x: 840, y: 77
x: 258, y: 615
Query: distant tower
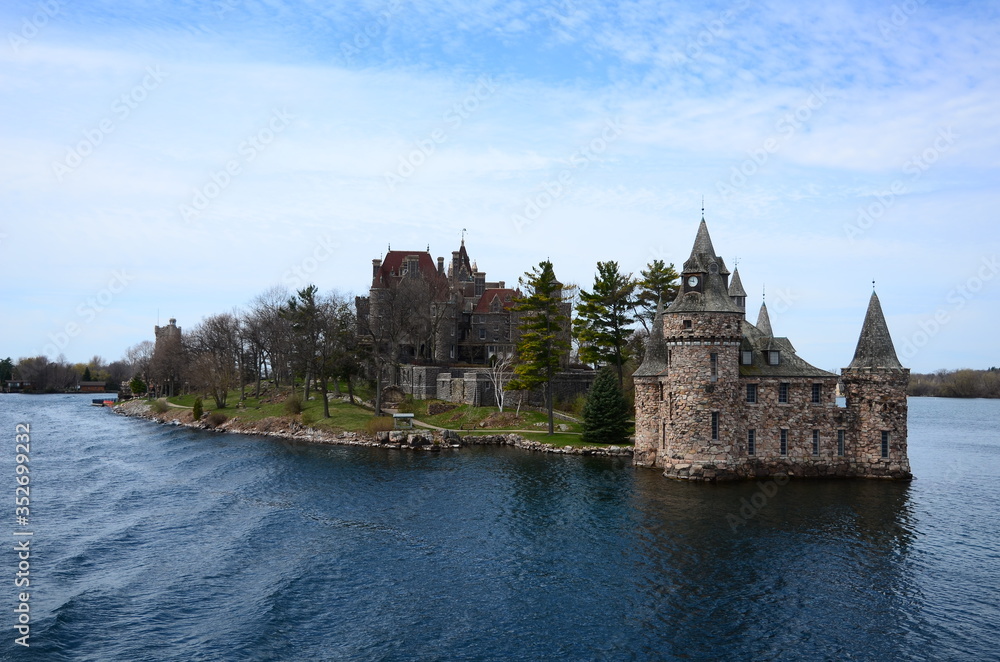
x: 875, y: 385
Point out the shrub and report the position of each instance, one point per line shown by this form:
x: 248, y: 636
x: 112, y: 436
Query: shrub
x: 159, y: 406
x: 137, y: 386
x: 198, y: 409
x: 293, y: 404
x: 407, y: 406
x: 309, y: 417
x: 379, y: 424
x: 216, y: 418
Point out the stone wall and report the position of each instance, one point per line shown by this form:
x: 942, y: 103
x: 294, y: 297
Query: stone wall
x: 877, y: 398
x: 693, y: 390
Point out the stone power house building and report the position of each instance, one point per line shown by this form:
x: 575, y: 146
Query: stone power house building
x: 719, y: 398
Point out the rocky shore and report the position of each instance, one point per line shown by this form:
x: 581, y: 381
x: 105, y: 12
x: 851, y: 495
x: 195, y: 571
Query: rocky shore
x: 417, y: 440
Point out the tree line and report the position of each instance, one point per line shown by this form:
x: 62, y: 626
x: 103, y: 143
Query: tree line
x: 965, y: 383
x: 308, y: 339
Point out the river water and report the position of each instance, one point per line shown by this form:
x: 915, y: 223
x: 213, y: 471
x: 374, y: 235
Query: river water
x: 153, y: 542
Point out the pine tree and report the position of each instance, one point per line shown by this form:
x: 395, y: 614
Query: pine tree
x: 606, y: 412
x: 659, y: 280
x: 543, y: 330
x: 603, y: 318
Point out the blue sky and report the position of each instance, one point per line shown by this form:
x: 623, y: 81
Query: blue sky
x: 175, y: 160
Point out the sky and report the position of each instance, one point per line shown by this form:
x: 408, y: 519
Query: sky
x: 177, y: 159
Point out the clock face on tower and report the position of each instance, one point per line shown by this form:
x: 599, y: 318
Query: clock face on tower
x: 693, y: 281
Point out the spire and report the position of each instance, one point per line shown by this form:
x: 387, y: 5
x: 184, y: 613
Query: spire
x: 764, y: 321
x: 736, y: 286
x: 653, y: 363
x: 704, y: 280
x: 702, y: 242
x: 875, y: 348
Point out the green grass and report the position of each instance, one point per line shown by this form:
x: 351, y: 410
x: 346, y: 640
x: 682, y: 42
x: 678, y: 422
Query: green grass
x: 343, y: 416
x: 467, y: 417
x: 347, y: 417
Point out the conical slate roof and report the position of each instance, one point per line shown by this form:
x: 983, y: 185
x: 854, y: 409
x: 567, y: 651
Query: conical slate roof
x: 703, y: 253
x: 764, y: 321
x: 654, y: 362
x: 875, y: 348
x: 714, y: 296
x: 736, y: 285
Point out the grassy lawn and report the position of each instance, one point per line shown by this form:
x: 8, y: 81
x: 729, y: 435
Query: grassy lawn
x: 465, y: 419
x: 343, y: 416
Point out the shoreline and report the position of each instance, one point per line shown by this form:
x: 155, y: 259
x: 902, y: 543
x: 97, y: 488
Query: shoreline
x: 417, y: 439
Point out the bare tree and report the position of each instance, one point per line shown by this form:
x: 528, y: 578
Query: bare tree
x: 139, y: 357
x: 500, y: 373
x: 268, y: 336
x: 214, y: 364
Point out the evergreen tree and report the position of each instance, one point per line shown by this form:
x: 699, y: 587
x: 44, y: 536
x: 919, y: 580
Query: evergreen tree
x: 603, y: 318
x: 658, y: 280
x: 86, y: 374
x: 606, y: 412
x: 543, y: 340
x: 137, y: 386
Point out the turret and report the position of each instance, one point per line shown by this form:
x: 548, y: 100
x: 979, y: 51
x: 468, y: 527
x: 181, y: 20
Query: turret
x: 736, y: 291
x: 875, y: 385
x: 649, y: 394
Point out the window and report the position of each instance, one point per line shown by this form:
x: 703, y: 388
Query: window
x: 714, y: 361
x: 752, y: 393
x: 746, y: 357
x: 815, y: 442
x: 482, y: 334
x: 773, y: 357
x: 687, y: 324
x: 885, y: 443
x: 840, y: 443
x: 816, y: 392
x: 715, y: 425
x: 783, y: 392
x: 751, y: 442
x: 784, y: 442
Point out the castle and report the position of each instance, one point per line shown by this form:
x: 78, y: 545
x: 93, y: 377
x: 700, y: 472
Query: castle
x: 719, y: 398
x: 439, y: 326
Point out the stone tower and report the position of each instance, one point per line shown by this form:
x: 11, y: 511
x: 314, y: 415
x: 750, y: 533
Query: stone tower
x: 875, y: 385
x: 701, y: 336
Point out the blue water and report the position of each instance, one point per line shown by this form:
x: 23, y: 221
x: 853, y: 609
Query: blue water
x: 159, y: 543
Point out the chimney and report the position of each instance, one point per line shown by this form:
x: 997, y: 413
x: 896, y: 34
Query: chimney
x: 376, y: 265
x: 441, y: 265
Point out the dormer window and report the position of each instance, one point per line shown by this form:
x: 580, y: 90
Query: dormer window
x: 773, y: 357
x: 746, y: 357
